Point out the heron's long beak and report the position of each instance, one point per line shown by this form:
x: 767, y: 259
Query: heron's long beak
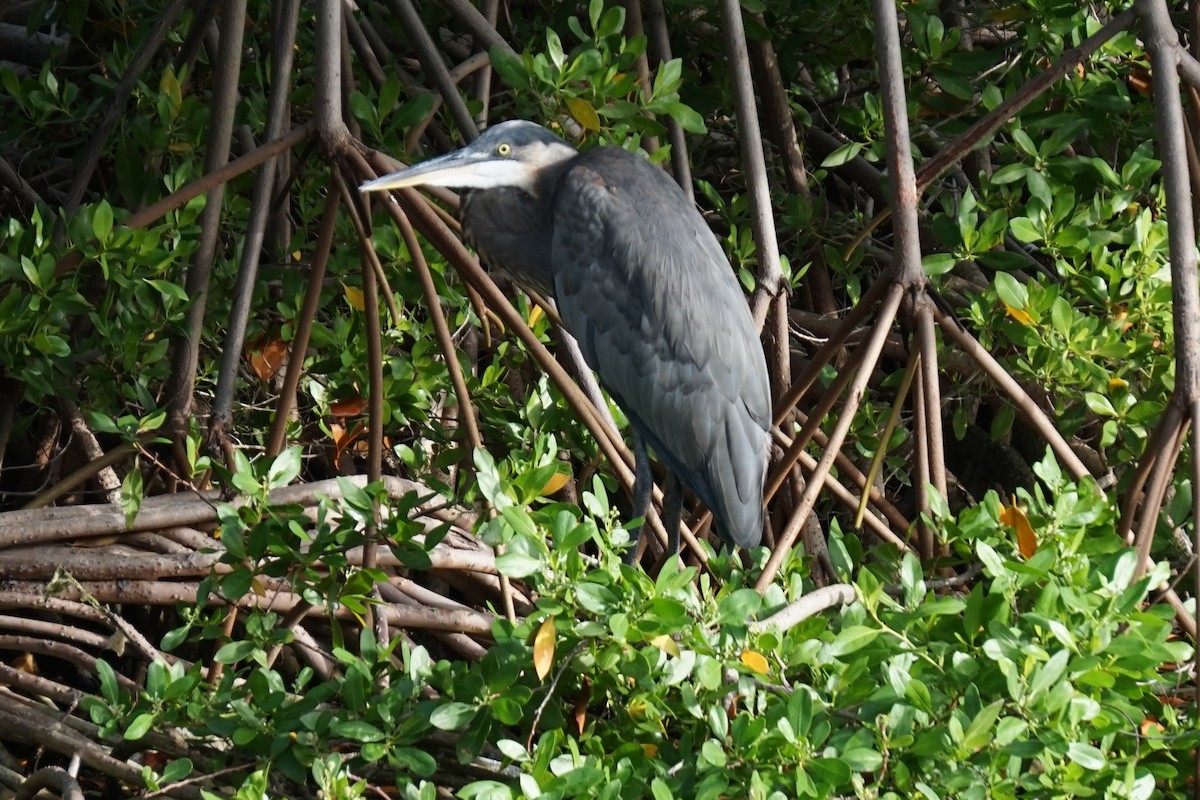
x: 462, y: 169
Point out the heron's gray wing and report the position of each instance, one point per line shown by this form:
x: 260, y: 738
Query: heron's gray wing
x: 646, y: 289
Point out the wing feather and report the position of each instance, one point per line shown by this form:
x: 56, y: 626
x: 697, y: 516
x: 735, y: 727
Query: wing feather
x: 643, y: 284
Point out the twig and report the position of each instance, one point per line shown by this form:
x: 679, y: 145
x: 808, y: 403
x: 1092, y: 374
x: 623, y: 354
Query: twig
x: 537, y: 717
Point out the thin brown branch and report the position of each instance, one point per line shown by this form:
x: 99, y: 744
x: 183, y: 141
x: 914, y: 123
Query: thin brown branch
x: 871, y: 349
x: 283, y: 46
x: 304, y: 326
x: 762, y: 219
x: 185, y: 350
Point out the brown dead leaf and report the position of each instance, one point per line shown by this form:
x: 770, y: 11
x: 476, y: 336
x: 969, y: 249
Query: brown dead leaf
x: 579, y: 713
x: 266, y: 359
x: 348, y: 407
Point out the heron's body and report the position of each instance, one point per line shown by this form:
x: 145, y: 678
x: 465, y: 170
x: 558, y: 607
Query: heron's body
x: 643, y: 285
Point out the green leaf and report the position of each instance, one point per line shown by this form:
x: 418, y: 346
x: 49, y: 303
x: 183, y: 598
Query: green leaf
x: 687, y: 117
x: 1010, y: 174
x: 979, y: 732
x: 509, y: 67
x: 1050, y: 673
x: 284, y: 468
x: 357, y: 730
x: 1010, y: 291
x: 389, y: 93
x: 936, y: 264
x: 485, y: 790
x: 518, y: 565
x: 595, y: 598
x: 1099, y: 404
x: 1086, y: 756
x: 990, y: 558
x: 452, y: 716
x: 852, y: 639
x: 132, y: 493
x: 234, y: 652
x: 846, y: 152
x: 102, y: 221
x: 1024, y: 229
x: 139, y: 727
x: 109, y: 689
x: 555, y: 49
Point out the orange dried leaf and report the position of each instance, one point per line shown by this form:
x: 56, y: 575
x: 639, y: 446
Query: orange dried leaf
x: 1139, y: 81
x: 666, y: 644
x: 350, y: 407
x: 1151, y: 725
x: 543, y: 648
x: 1026, y: 538
x: 344, y: 438
x: 267, y: 360
x: 25, y: 663
x: 579, y: 713
x: 756, y: 661
x: 1019, y: 314
x: 651, y: 750
x: 557, y: 481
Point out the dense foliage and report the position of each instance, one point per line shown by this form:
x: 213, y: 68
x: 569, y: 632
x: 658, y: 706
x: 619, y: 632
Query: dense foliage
x: 998, y: 670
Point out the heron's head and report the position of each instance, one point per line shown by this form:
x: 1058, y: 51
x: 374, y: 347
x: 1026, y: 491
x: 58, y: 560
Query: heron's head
x: 508, y: 155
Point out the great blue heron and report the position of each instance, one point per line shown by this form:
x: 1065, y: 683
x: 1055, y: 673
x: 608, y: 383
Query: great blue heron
x: 642, y: 283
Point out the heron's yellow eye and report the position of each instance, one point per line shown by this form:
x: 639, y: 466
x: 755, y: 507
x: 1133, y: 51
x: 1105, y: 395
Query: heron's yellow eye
x: 504, y: 148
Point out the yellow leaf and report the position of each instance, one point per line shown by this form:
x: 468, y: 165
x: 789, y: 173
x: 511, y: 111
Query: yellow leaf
x: 651, y: 750
x: 169, y: 86
x: 1117, y: 383
x: 354, y: 297
x: 637, y: 708
x: 543, y: 648
x: 557, y: 481
x: 666, y: 644
x: 535, y: 314
x: 756, y: 662
x: 257, y: 587
x: 583, y: 113
x: 1019, y: 314
x: 1013, y: 516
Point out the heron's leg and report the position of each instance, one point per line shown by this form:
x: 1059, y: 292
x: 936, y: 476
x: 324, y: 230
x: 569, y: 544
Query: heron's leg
x: 672, y: 511
x: 643, y: 485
